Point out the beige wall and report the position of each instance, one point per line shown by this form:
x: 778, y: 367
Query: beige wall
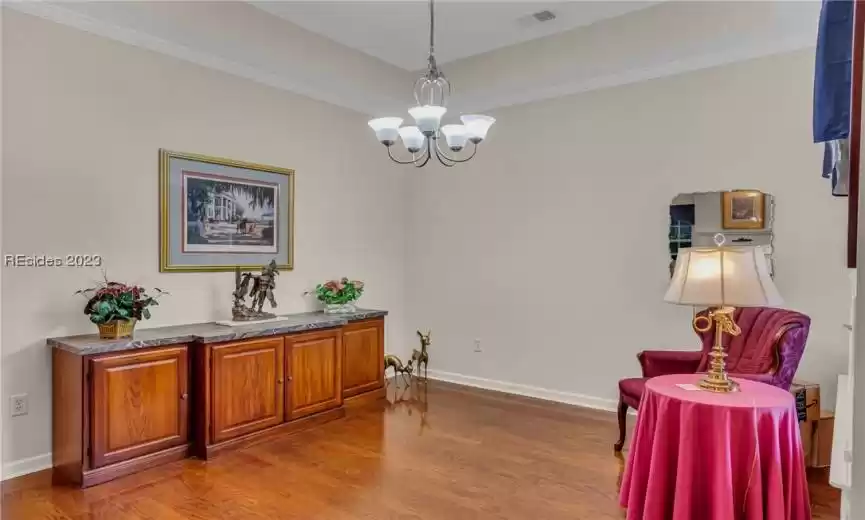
x: 551, y: 245
x: 84, y: 118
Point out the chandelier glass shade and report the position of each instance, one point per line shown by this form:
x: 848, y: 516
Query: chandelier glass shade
x: 422, y: 140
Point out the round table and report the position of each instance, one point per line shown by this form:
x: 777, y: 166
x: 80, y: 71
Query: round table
x: 701, y: 455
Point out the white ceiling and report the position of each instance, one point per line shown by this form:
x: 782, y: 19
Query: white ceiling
x: 398, y: 32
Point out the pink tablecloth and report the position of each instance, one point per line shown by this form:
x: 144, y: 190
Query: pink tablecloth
x: 697, y: 455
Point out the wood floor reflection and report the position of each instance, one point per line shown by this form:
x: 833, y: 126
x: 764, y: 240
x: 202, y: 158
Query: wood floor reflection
x: 444, y: 452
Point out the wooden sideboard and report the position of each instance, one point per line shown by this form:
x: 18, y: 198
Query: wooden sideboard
x: 119, y: 408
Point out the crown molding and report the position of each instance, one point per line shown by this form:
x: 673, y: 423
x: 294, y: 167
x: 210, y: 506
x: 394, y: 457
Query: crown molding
x: 488, y: 98
x: 493, y: 100
x: 68, y: 17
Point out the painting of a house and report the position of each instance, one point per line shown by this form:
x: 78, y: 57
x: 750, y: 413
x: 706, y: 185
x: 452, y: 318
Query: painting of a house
x: 229, y: 215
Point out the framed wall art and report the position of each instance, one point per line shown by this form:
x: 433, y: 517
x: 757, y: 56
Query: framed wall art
x: 743, y: 209
x: 217, y: 214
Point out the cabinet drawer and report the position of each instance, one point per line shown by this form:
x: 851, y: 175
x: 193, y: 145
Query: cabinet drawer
x: 139, y: 404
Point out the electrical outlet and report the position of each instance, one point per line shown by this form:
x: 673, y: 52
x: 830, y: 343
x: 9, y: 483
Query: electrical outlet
x: 19, y: 405
x: 478, y: 347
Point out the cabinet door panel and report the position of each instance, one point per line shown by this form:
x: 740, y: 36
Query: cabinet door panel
x: 139, y: 404
x: 363, y: 358
x: 315, y: 371
x: 247, y: 387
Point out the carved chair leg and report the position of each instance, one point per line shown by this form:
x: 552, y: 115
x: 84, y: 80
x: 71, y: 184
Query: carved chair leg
x: 623, y: 425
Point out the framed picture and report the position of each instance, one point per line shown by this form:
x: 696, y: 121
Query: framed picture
x: 216, y: 214
x: 742, y: 209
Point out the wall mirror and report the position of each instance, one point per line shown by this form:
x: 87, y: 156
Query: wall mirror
x: 745, y: 217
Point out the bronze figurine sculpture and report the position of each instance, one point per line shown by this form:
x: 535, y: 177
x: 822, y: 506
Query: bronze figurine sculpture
x: 422, y: 356
x: 262, y: 289
x: 418, y: 357
x: 391, y: 361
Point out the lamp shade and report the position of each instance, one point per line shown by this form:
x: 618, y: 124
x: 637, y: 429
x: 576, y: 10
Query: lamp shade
x: 456, y: 136
x: 723, y: 276
x: 477, y: 126
x: 386, y: 128
x: 412, y: 138
x: 427, y: 118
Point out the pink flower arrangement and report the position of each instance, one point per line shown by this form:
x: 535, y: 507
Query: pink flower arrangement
x: 111, y: 301
x: 339, y: 291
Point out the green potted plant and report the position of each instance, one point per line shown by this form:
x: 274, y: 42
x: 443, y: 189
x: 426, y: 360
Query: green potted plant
x: 115, y: 307
x: 339, y: 296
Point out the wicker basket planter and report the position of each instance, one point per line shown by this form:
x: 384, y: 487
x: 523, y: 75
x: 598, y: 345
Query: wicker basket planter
x: 116, y: 329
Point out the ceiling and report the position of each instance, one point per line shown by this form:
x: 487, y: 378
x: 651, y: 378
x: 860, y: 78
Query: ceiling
x: 397, y: 32
x: 358, y: 54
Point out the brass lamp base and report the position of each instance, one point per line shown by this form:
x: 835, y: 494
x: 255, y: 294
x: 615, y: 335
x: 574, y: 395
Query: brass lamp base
x: 721, y: 386
x: 716, y: 379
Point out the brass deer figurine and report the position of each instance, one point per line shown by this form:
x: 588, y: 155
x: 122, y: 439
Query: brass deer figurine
x: 391, y: 361
x: 422, y: 356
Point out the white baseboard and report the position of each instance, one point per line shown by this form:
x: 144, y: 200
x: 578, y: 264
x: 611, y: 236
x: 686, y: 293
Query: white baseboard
x: 586, y: 401
x: 20, y: 467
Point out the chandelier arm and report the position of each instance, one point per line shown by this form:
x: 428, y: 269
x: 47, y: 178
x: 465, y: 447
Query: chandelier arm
x: 443, y: 159
x: 441, y: 152
x: 448, y: 86
x: 428, y: 157
x: 414, y: 160
x: 418, y: 89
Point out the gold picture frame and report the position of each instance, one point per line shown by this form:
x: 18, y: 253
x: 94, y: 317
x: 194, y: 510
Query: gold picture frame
x: 743, y: 209
x: 169, y: 215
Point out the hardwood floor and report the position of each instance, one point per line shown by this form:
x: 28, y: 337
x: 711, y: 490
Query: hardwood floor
x: 466, y: 454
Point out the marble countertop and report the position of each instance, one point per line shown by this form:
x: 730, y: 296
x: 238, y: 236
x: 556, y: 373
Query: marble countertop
x: 88, y: 344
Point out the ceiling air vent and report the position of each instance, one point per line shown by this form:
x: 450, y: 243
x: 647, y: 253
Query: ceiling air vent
x: 544, y: 16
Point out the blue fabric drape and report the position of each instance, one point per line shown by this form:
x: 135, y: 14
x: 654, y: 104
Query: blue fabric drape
x: 833, y: 71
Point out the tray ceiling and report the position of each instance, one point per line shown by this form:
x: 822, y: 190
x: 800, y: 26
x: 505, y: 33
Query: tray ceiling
x: 397, y: 32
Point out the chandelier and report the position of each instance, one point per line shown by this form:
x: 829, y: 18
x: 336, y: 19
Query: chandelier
x: 431, y: 92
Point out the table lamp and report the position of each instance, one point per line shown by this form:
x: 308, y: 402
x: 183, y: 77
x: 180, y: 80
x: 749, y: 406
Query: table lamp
x: 721, y: 278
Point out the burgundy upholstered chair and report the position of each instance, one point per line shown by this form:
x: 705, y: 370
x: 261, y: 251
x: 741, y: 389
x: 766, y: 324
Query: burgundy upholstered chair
x: 768, y: 350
